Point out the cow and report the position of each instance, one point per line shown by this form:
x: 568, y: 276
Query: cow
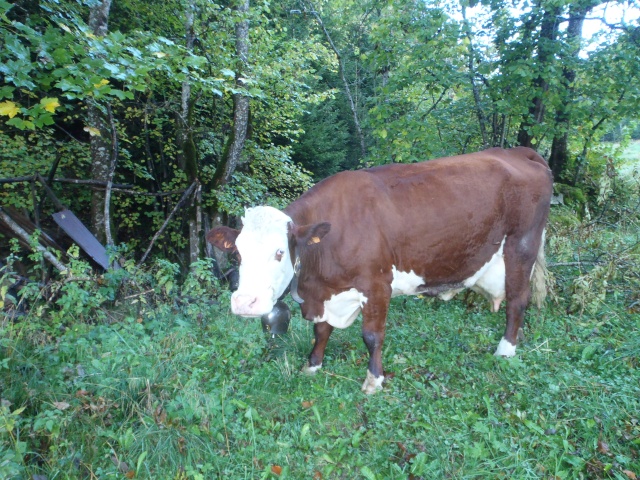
x: 358, y: 238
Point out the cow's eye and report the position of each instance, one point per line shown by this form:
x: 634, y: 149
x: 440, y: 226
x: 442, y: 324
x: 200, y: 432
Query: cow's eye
x: 279, y: 255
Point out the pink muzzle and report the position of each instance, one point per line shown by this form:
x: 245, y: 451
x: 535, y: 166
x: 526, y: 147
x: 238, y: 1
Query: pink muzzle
x: 248, y: 305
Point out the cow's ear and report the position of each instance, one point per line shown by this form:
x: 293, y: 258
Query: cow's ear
x: 311, y: 234
x: 224, y: 238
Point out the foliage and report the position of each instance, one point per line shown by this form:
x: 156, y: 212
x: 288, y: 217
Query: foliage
x: 55, y: 67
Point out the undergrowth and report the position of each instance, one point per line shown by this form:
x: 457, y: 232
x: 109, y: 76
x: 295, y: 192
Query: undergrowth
x: 139, y: 373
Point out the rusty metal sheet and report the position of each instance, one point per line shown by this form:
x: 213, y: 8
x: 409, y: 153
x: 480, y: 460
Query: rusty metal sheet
x: 82, y: 236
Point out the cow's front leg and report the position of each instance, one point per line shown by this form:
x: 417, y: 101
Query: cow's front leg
x: 374, y: 318
x: 322, y: 332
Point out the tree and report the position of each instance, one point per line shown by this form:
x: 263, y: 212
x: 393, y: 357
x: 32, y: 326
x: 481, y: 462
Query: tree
x: 569, y: 57
x: 103, y: 149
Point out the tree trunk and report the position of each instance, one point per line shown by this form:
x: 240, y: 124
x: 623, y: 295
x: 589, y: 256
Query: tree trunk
x: 234, y: 147
x: 548, y: 35
x: 347, y: 89
x: 100, y: 133
x: 559, y: 158
x: 482, y: 119
x: 187, y: 153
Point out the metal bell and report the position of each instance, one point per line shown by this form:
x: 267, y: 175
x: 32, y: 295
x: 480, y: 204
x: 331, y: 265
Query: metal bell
x: 276, y: 322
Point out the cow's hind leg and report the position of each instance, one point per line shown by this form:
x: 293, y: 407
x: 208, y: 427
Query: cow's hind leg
x: 519, y: 256
x: 374, y: 318
x: 322, y: 332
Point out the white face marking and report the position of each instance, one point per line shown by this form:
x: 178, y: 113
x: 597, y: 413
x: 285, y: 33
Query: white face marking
x: 265, y: 268
x: 341, y: 310
x: 372, y: 384
x: 404, y: 283
x: 505, y: 349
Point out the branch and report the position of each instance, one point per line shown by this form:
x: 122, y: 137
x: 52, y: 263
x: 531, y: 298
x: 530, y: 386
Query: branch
x: 96, y: 183
x: 572, y: 264
x: 186, y: 195
x: 18, y: 230
x: 112, y: 169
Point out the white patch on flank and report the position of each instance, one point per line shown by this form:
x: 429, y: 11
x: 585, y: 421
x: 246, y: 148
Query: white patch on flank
x: 404, y: 283
x: 311, y: 370
x: 341, y: 310
x: 372, y: 384
x: 505, y: 349
x: 489, y: 281
x: 493, y: 263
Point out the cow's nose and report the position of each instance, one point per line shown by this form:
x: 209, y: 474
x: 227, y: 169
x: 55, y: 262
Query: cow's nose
x: 241, y: 304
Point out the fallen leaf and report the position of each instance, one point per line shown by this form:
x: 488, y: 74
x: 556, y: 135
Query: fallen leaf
x: 61, y: 405
x: 160, y: 415
x: 277, y: 469
x: 82, y: 393
x: 630, y: 474
x: 317, y: 475
x: 122, y: 466
x: 130, y: 474
x: 307, y: 404
x: 603, y: 447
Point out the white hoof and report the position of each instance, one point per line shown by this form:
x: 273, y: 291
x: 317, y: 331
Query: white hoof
x: 372, y: 384
x: 505, y: 349
x: 311, y: 370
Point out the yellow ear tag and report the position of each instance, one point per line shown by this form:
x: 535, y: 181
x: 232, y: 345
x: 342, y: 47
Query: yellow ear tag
x: 313, y: 240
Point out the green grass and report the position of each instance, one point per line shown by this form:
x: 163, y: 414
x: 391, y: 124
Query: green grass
x: 167, y: 397
x: 170, y: 385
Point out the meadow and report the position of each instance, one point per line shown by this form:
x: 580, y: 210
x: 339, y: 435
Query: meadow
x: 138, y: 374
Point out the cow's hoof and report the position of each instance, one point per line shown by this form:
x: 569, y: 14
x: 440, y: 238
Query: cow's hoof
x: 505, y: 349
x: 309, y: 370
x: 372, y: 384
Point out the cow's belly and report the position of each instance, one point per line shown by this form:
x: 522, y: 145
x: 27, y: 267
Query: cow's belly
x: 341, y: 309
x: 489, y: 281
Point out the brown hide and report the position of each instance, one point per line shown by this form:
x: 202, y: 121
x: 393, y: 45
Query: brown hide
x: 442, y: 220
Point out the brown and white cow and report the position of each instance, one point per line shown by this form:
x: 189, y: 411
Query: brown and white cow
x: 359, y: 238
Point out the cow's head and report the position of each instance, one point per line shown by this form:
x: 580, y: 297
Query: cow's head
x: 265, y: 263
x: 266, y: 246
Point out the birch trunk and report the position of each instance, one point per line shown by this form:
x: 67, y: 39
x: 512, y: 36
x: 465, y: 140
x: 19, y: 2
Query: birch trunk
x: 100, y: 133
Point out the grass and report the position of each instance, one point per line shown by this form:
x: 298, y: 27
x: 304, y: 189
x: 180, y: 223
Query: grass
x: 170, y: 385
x: 166, y: 397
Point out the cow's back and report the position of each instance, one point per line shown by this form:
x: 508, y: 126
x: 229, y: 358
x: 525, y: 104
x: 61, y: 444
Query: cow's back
x: 440, y: 219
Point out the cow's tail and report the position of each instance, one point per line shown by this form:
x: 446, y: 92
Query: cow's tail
x: 539, y: 277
